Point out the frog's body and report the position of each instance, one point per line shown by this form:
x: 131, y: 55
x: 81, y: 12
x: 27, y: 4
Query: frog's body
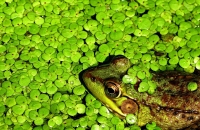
x: 172, y: 106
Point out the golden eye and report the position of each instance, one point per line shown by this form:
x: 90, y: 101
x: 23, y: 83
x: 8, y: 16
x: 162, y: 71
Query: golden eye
x: 112, y: 89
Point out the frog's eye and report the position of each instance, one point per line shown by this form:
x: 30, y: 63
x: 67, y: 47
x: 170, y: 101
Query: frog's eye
x: 112, y: 89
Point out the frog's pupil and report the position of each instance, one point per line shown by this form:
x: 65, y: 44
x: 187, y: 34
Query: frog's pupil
x: 93, y: 79
x: 111, y: 90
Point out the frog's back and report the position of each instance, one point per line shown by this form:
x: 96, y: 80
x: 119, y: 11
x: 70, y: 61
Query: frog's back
x: 180, y: 107
x: 171, y: 119
x: 172, y: 106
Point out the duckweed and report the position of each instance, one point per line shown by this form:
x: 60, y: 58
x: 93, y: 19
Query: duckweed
x: 45, y: 44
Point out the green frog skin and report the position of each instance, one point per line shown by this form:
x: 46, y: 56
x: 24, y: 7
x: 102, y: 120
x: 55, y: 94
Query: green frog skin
x: 171, y: 106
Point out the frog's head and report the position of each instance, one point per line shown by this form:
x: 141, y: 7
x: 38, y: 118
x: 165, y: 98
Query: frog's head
x: 104, y: 82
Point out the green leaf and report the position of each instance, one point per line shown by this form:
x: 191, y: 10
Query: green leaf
x: 141, y: 74
x: 2, y: 48
x: 101, y: 16
x: 21, y: 119
x: 144, y: 23
x: 100, y: 57
x: 10, y: 102
x: 34, y: 29
x: 104, y: 48
x: 43, y: 112
x: 192, y: 86
x: 184, y: 63
x: 80, y: 108
x: 155, y: 66
x: 20, y: 30
x: 174, y: 5
x: 34, y: 94
x: 118, y: 17
x: 162, y: 61
x: 34, y: 105
x: 21, y: 100
x: 105, y: 112
x: 38, y: 121
x: 24, y: 80
x: 19, y: 109
x: 79, y: 90
x: 131, y: 119
x: 143, y: 86
x: 100, y: 35
x: 116, y: 35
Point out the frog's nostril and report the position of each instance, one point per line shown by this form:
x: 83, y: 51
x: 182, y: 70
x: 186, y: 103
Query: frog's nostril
x: 93, y: 79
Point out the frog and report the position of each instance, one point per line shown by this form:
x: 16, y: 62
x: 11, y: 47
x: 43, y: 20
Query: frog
x: 171, y: 106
